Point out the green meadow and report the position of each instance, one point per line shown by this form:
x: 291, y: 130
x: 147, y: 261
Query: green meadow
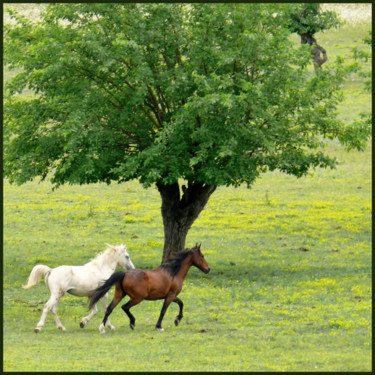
x: 290, y: 281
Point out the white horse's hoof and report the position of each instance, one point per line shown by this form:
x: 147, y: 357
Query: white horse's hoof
x: 82, y: 324
x: 111, y: 327
x: 101, y: 329
x: 62, y: 328
x: 37, y: 329
x: 160, y: 329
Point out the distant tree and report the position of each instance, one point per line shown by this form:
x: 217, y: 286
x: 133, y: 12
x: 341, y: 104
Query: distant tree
x: 184, y: 96
x: 363, y: 55
x: 306, y: 19
x: 360, y: 54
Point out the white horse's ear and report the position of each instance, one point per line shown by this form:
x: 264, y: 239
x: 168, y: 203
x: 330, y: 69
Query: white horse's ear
x: 111, y: 246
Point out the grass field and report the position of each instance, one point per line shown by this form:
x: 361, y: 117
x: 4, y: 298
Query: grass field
x: 290, y: 281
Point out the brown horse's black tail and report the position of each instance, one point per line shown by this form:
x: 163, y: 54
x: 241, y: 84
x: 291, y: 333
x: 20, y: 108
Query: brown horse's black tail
x: 100, y: 291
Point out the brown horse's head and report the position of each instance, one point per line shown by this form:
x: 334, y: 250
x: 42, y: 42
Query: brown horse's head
x: 199, y: 261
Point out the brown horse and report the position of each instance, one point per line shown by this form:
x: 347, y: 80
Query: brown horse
x: 164, y: 282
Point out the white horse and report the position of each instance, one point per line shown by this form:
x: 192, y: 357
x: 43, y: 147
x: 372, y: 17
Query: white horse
x: 79, y: 281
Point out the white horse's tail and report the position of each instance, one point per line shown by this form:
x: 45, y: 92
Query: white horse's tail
x: 35, y: 275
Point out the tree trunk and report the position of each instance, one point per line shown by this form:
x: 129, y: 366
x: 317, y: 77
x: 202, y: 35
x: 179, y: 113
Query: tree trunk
x: 319, y: 54
x: 179, y: 213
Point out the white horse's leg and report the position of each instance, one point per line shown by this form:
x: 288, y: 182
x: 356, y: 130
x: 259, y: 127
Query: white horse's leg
x: 57, y: 320
x: 51, y: 303
x: 86, y: 319
x: 105, y: 301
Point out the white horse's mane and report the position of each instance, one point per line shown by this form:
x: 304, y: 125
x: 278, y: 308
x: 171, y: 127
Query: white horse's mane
x: 111, y: 251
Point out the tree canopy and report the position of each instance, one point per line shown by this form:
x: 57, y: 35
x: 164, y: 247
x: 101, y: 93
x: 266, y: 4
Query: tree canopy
x: 309, y: 18
x: 213, y: 94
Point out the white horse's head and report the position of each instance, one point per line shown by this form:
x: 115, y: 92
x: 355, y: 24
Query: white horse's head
x: 124, y: 260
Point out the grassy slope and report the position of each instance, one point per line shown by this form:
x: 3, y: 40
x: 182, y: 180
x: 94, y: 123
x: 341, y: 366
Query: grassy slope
x: 268, y: 304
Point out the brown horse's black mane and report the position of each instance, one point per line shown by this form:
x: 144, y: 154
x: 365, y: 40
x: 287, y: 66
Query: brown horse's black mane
x: 173, y: 265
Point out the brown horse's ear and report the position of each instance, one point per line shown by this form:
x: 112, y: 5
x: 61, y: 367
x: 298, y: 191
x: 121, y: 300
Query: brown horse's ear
x: 199, y: 247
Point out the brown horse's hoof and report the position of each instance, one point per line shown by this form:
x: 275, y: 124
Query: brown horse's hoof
x: 132, y: 325
x: 177, y: 322
x: 160, y: 329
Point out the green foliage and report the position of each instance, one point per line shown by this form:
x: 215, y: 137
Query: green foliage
x: 364, y: 55
x: 309, y: 18
x: 213, y: 93
x: 365, y: 121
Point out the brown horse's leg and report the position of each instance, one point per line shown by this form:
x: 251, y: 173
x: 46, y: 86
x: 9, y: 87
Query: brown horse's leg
x: 126, y: 307
x: 180, y: 314
x: 166, y: 303
x: 118, y: 296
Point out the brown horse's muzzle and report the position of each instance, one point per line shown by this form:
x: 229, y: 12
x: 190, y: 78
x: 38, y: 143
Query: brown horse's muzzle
x: 207, y: 270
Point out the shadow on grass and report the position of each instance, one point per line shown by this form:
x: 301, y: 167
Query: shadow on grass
x: 221, y: 275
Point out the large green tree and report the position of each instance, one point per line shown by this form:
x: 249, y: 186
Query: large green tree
x: 184, y: 96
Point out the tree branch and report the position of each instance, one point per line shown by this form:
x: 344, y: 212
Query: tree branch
x: 205, y: 68
x: 248, y: 114
x: 130, y: 85
x: 166, y: 60
x: 163, y: 101
x: 178, y: 57
x: 199, y: 120
x: 101, y: 84
x: 316, y: 52
x: 158, y: 114
x: 149, y: 116
x: 195, y: 197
